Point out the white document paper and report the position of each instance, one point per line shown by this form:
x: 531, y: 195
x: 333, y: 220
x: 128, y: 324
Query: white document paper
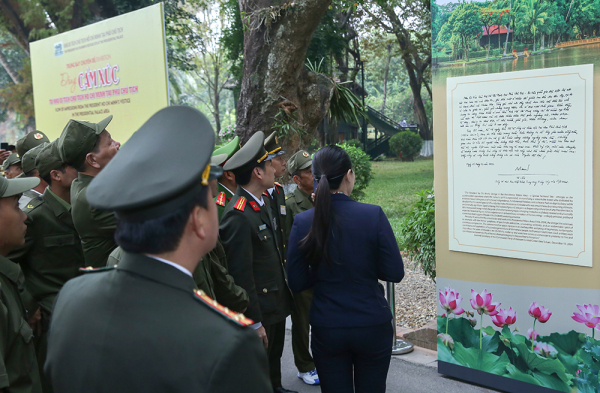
x: 520, y: 164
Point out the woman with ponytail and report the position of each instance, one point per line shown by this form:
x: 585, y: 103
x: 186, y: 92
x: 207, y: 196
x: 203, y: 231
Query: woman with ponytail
x: 342, y: 248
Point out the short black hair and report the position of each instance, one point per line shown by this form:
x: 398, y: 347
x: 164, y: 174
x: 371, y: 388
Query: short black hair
x: 48, y: 178
x: 32, y: 173
x: 244, y: 178
x: 158, y: 235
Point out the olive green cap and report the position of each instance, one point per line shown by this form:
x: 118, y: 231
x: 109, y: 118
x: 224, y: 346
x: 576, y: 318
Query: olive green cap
x: 12, y: 187
x: 142, y: 182
x: 300, y: 160
x: 249, y: 155
x: 13, y: 159
x: 48, y: 159
x: 224, y: 153
x: 78, y: 139
x: 30, y: 141
x: 272, y: 145
x: 28, y: 160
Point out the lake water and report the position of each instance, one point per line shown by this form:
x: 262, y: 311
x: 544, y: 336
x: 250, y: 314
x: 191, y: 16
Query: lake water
x: 585, y: 54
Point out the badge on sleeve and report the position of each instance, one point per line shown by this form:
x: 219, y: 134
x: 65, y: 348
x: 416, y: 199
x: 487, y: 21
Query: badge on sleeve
x: 282, y: 210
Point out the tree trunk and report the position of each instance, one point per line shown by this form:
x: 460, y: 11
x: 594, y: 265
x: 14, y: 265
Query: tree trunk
x: 217, y: 98
x: 385, y: 76
x: 14, y: 24
x: 9, y: 70
x: 507, y: 34
x: 274, y: 71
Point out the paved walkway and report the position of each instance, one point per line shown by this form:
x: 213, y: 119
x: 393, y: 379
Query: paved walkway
x: 419, y: 375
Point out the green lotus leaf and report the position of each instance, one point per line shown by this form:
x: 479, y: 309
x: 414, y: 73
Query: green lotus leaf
x: 566, y: 343
x: 544, y: 365
x: 480, y: 359
x: 444, y: 353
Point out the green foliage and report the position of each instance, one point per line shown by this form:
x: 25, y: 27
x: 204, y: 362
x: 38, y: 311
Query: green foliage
x: 345, y: 105
x: 407, y: 143
x: 463, y: 25
x: 361, y: 165
x: 355, y: 143
x: 287, y: 124
x: 417, y: 233
x: 587, y: 380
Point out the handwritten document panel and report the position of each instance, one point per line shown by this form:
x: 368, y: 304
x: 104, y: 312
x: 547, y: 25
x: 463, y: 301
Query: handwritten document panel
x: 520, y: 164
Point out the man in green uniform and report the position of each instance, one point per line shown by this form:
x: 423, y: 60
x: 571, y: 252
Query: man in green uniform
x: 12, y: 166
x: 275, y: 195
x: 30, y: 141
x: 18, y: 366
x: 29, y: 170
x: 253, y: 253
x: 299, y: 166
x: 88, y: 147
x: 226, y: 186
x: 143, y: 326
x: 52, y: 252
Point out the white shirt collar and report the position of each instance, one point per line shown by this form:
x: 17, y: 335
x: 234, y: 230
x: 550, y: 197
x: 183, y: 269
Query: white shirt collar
x: 39, y: 193
x: 222, y: 185
x: 176, y: 266
x: 270, y: 190
x: 259, y: 201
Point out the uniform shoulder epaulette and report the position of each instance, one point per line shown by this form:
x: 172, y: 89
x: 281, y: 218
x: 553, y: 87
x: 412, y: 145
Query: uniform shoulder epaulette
x: 240, y: 319
x: 32, y: 204
x: 277, y: 184
x: 89, y: 269
x: 221, y: 199
x: 289, y: 196
x: 240, y: 204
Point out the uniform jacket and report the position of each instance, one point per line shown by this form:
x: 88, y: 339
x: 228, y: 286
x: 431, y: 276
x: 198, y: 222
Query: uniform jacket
x: 222, y: 199
x: 18, y: 364
x: 26, y: 197
x: 364, y: 250
x: 296, y: 202
x: 141, y: 328
x: 276, y: 200
x: 96, y: 228
x: 255, y: 259
x: 212, y: 276
x: 52, y: 252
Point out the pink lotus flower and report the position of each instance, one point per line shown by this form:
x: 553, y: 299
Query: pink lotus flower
x: 450, y: 301
x: 532, y: 334
x: 590, y: 315
x: 545, y: 350
x: 483, y: 303
x: 505, y: 317
x: 447, y: 340
x: 540, y: 313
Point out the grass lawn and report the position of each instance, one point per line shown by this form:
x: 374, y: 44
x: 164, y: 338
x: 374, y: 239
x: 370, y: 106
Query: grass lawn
x: 394, y: 186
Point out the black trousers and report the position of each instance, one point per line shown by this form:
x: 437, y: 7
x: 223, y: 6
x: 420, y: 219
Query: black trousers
x: 301, y: 331
x: 276, y: 336
x: 353, y: 359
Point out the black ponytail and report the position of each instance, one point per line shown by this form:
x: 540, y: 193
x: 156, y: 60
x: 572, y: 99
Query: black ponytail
x: 329, y: 165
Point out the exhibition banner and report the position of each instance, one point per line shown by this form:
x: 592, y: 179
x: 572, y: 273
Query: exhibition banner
x: 515, y: 134
x: 114, y: 67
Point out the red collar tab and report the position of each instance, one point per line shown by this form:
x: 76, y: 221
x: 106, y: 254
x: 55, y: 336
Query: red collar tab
x: 255, y: 206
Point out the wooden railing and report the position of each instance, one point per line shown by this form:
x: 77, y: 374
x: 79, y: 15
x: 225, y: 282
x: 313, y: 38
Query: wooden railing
x: 580, y: 42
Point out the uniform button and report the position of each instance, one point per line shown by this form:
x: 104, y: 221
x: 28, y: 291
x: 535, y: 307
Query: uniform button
x: 264, y: 290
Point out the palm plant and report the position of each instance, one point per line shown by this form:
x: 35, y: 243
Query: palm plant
x: 532, y: 14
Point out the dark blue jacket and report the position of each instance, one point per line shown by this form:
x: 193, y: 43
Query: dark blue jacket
x: 364, y: 249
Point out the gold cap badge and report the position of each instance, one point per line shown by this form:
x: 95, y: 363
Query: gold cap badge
x: 305, y: 154
x: 37, y: 135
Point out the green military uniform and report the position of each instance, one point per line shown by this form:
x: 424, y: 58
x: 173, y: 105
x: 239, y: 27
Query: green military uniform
x: 254, y: 256
x: 30, y: 141
x: 297, y: 202
x: 276, y: 195
x: 96, y: 228
x: 210, y: 276
x: 18, y: 365
x: 52, y: 252
x: 143, y: 326
x: 220, y: 157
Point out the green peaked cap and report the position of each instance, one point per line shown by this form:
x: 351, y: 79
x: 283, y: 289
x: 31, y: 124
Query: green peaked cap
x: 224, y: 153
x: 28, y: 160
x: 13, y: 159
x: 30, y: 141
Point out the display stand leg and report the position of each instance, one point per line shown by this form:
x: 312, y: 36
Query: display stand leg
x: 400, y: 346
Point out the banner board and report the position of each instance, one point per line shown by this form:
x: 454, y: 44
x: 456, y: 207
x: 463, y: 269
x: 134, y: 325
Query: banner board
x: 114, y: 67
x: 515, y: 132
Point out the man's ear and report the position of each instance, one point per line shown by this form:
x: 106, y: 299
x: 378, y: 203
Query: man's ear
x: 229, y: 175
x: 55, y: 175
x: 296, y: 179
x: 258, y: 172
x: 198, y: 222
x: 90, y: 159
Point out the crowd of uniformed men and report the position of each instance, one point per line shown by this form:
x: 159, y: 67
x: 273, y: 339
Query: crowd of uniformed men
x: 113, y: 217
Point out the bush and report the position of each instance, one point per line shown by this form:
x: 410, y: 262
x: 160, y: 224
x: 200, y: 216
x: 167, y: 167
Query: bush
x: 417, y: 233
x: 407, y: 143
x: 361, y: 165
x: 355, y: 143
